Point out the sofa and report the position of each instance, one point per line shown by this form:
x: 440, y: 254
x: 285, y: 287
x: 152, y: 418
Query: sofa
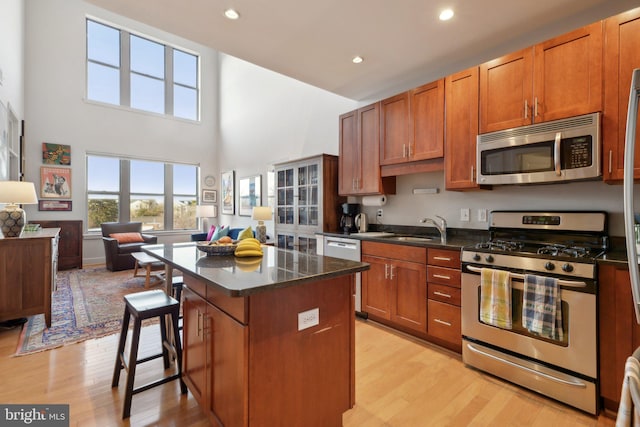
x: 233, y: 233
x: 121, y: 239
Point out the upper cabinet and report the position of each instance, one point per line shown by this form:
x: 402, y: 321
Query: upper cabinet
x: 558, y: 78
x: 359, y: 165
x: 461, y: 130
x: 412, y: 125
x: 621, y: 56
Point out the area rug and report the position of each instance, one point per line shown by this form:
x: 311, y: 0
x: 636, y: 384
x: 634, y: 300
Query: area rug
x: 87, y: 304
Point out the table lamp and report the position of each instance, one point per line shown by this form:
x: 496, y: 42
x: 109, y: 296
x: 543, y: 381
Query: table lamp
x: 206, y: 211
x: 12, y: 217
x: 261, y: 214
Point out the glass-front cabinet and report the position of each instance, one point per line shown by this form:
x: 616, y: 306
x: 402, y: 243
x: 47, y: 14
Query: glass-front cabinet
x: 307, y: 201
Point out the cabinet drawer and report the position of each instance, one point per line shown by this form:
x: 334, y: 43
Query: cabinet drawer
x: 444, y: 322
x: 444, y: 276
x: 444, y: 258
x: 443, y: 293
x: 392, y: 251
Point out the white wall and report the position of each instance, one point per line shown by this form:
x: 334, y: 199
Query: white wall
x: 267, y: 118
x: 12, y: 24
x: 56, y: 109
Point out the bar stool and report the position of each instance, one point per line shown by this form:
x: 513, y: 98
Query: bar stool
x: 146, y: 305
x: 177, y: 283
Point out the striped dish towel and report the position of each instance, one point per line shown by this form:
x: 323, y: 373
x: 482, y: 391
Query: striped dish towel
x: 541, y: 307
x: 495, y: 298
x: 628, y: 415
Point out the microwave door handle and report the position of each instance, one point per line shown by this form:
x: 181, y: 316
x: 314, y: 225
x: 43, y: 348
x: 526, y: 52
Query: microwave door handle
x: 556, y: 153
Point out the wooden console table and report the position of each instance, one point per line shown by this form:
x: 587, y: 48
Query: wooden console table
x: 27, y: 274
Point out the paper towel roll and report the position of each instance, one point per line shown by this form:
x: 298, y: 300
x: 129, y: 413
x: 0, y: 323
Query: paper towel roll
x: 374, y: 200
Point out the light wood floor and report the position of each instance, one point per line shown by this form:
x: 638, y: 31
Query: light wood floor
x: 399, y: 382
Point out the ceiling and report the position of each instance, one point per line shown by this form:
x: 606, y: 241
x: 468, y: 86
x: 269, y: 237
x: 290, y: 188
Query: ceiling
x: 403, y: 43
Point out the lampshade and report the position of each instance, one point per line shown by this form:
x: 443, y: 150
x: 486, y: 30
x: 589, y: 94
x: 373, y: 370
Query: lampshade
x: 206, y: 211
x: 261, y: 213
x: 12, y: 217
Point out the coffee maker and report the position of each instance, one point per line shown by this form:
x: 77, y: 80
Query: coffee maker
x: 347, y: 221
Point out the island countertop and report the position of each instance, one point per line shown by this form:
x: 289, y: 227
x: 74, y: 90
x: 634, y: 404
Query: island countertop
x: 239, y: 277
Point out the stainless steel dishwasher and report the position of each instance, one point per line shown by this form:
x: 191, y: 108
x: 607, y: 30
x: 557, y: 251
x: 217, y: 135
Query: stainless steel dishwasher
x: 345, y: 248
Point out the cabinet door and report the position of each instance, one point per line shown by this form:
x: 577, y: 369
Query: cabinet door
x: 394, y: 129
x: 427, y: 121
x: 348, y: 168
x: 285, y: 197
x: 506, y: 86
x: 568, y: 75
x: 195, y: 347
x: 619, y: 332
x: 376, y: 288
x: 461, y: 130
x: 369, y: 139
x: 621, y: 56
x: 409, y: 281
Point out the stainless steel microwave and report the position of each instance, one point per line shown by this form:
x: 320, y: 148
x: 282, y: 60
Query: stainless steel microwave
x: 555, y: 151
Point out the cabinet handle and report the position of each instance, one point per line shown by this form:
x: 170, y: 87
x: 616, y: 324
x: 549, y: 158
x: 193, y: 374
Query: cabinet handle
x: 610, y: 160
x: 404, y: 151
x: 392, y: 267
x: 442, y: 258
x: 409, y: 151
x: 442, y: 276
x: 386, y: 271
x: 199, y: 330
x: 442, y: 294
x: 442, y: 322
x: 535, y: 107
x: 526, y: 109
x: 473, y: 173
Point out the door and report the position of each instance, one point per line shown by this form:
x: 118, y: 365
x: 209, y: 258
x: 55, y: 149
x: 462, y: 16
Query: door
x: 376, y: 288
x: 369, y: 141
x: 427, y: 121
x: 394, y: 129
x: 410, y: 303
x: 195, y: 345
x: 348, y: 169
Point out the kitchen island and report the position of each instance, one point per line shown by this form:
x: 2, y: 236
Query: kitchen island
x: 267, y: 340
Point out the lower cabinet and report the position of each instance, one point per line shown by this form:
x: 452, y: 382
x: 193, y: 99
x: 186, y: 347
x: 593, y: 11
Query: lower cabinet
x: 394, y: 290
x: 444, y: 317
x: 619, y: 333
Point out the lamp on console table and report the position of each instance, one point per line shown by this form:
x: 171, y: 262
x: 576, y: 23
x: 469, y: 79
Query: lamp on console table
x: 12, y: 217
x: 261, y: 214
x: 206, y: 211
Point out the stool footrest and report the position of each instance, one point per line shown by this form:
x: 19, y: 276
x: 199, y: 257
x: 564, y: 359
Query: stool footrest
x: 146, y: 359
x: 155, y: 383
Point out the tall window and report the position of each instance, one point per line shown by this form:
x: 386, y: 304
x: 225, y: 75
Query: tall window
x: 133, y: 71
x: 163, y: 196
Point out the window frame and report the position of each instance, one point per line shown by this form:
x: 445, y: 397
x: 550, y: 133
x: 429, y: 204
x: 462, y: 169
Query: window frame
x: 125, y: 72
x: 124, y: 193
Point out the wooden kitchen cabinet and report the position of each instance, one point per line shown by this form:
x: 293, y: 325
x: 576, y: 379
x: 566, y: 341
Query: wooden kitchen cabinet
x: 394, y: 290
x: 621, y: 56
x: 559, y: 78
x: 70, y: 243
x: 461, y: 123
x: 444, y: 298
x: 412, y: 129
x: 359, y: 164
x: 619, y: 332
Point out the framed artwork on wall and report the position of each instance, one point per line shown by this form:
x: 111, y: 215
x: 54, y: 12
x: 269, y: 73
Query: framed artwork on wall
x: 56, y: 154
x: 227, y: 184
x: 54, y: 205
x: 55, y: 183
x: 209, y: 196
x: 250, y: 194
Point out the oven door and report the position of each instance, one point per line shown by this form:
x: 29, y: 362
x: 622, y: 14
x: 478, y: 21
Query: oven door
x: 576, y: 352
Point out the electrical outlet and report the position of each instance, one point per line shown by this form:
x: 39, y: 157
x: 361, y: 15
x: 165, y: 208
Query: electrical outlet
x: 482, y: 215
x: 379, y: 213
x: 309, y: 318
x: 464, y: 214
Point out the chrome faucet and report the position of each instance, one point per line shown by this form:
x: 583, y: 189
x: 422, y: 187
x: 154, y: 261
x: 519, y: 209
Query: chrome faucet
x: 440, y: 225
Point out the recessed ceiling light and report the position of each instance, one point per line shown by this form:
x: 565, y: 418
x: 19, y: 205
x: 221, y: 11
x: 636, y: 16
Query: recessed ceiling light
x: 231, y: 14
x: 446, y: 14
x: 357, y: 59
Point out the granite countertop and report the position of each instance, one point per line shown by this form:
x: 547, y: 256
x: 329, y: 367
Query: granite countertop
x: 239, y: 277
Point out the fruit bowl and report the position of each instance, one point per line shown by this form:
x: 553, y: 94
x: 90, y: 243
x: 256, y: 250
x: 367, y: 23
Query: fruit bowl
x: 216, y: 248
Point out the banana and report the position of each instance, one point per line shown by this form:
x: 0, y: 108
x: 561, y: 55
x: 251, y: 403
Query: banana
x: 247, y: 253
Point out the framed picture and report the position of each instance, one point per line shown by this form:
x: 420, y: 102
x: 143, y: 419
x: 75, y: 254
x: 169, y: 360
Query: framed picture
x: 209, y: 196
x: 54, y: 205
x: 228, y: 183
x: 250, y: 194
x: 56, y: 154
x: 55, y: 183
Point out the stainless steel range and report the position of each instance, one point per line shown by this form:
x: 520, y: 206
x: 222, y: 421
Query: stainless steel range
x: 554, y: 249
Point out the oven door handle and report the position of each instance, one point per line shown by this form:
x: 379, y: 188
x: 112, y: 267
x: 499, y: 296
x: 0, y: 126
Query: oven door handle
x: 565, y: 283
x: 524, y: 368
